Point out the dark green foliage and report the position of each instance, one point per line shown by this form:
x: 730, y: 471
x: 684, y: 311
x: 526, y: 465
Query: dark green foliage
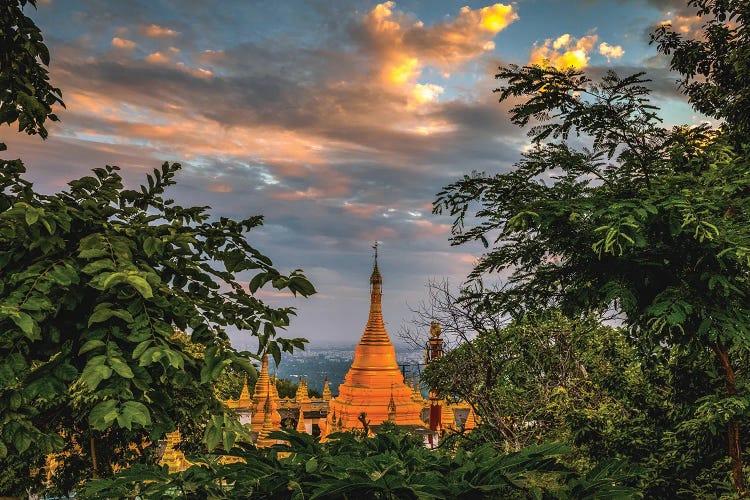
x: 391, y: 465
x: 715, y: 64
x: 95, y: 281
x: 583, y: 384
x: 26, y: 95
x: 543, y: 378
x: 649, y: 223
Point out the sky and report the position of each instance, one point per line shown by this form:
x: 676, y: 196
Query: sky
x: 337, y: 120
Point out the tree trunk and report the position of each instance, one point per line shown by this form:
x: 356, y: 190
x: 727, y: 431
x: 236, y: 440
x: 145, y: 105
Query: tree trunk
x: 94, y: 467
x: 733, y: 431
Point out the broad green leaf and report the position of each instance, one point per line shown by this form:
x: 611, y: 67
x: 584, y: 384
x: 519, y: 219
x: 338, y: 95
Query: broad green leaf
x: 65, y: 371
x: 93, y: 374
x: 21, y: 440
x: 213, y: 435
x: 103, y: 313
x: 121, y: 368
x: 31, y: 216
x: 90, y: 346
x: 141, y: 348
x: 103, y: 414
x: 141, y: 285
x: 133, y: 412
x: 24, y: 322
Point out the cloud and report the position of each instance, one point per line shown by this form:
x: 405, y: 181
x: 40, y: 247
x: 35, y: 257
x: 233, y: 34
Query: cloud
x: 122, y: 43
x: 686, y: 24
x: 424, y: 93
x: 680, y: 15
x: 564, y: 52
x: 611, y: 51
x: 156, y: 31
x: 314, y: 134
x: 403, y: 45
x: 157, y: 58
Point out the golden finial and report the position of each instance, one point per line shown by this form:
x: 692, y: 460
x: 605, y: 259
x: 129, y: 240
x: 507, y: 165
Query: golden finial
x: 376, y: 278
x: 435, y: 329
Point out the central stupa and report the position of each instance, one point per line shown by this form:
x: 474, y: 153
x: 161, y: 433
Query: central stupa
x: 374, y: 384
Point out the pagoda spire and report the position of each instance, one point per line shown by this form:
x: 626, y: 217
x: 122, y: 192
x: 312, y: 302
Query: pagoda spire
x: 391, y: 408
x: 375, y: 332
x: 302, y: 396
x: 244, y: 400
x: 301, y: 422
x: 263, y: 441
x: 326, y: 390
x: 265, y: 389
x: 447, y: 417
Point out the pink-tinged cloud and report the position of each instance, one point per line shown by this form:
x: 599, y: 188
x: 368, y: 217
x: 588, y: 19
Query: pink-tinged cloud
x: 156, y: 31
x: 309, y: 193
x: 220, y: 188
x: 176, y: 132
x: 361, y: 210
x: 123, y: 43
x: 564, y: 52
x: 378, y: 233
x: 429, y: 229
x: 197, y: 72
x: 688, y: 25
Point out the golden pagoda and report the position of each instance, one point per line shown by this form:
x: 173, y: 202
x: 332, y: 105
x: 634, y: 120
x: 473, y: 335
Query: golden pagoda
x: 303, y: 394
x: 264, y: 390
x: 374, y: 378
x: 416, y: 393
x: 301, y: 422
x: 326, y: 390
x: 263, y: 441
x: 392, y: 409
x: 274, y: 393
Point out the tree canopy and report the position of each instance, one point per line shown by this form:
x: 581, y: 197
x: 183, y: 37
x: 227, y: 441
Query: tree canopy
x: 715, y: 66
x: 647, y: 222
x: 27, y: 96
x: 96, y: 279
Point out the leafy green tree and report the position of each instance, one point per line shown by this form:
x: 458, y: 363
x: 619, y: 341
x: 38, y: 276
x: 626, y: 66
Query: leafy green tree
x: 26, y: 95
x: 229, y: 384
x: 647, y: 222
x: 716, y: 65
x: 391, y: 465
x: 547, y: 378
x: 526, y: 380
x: 95, y: 281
